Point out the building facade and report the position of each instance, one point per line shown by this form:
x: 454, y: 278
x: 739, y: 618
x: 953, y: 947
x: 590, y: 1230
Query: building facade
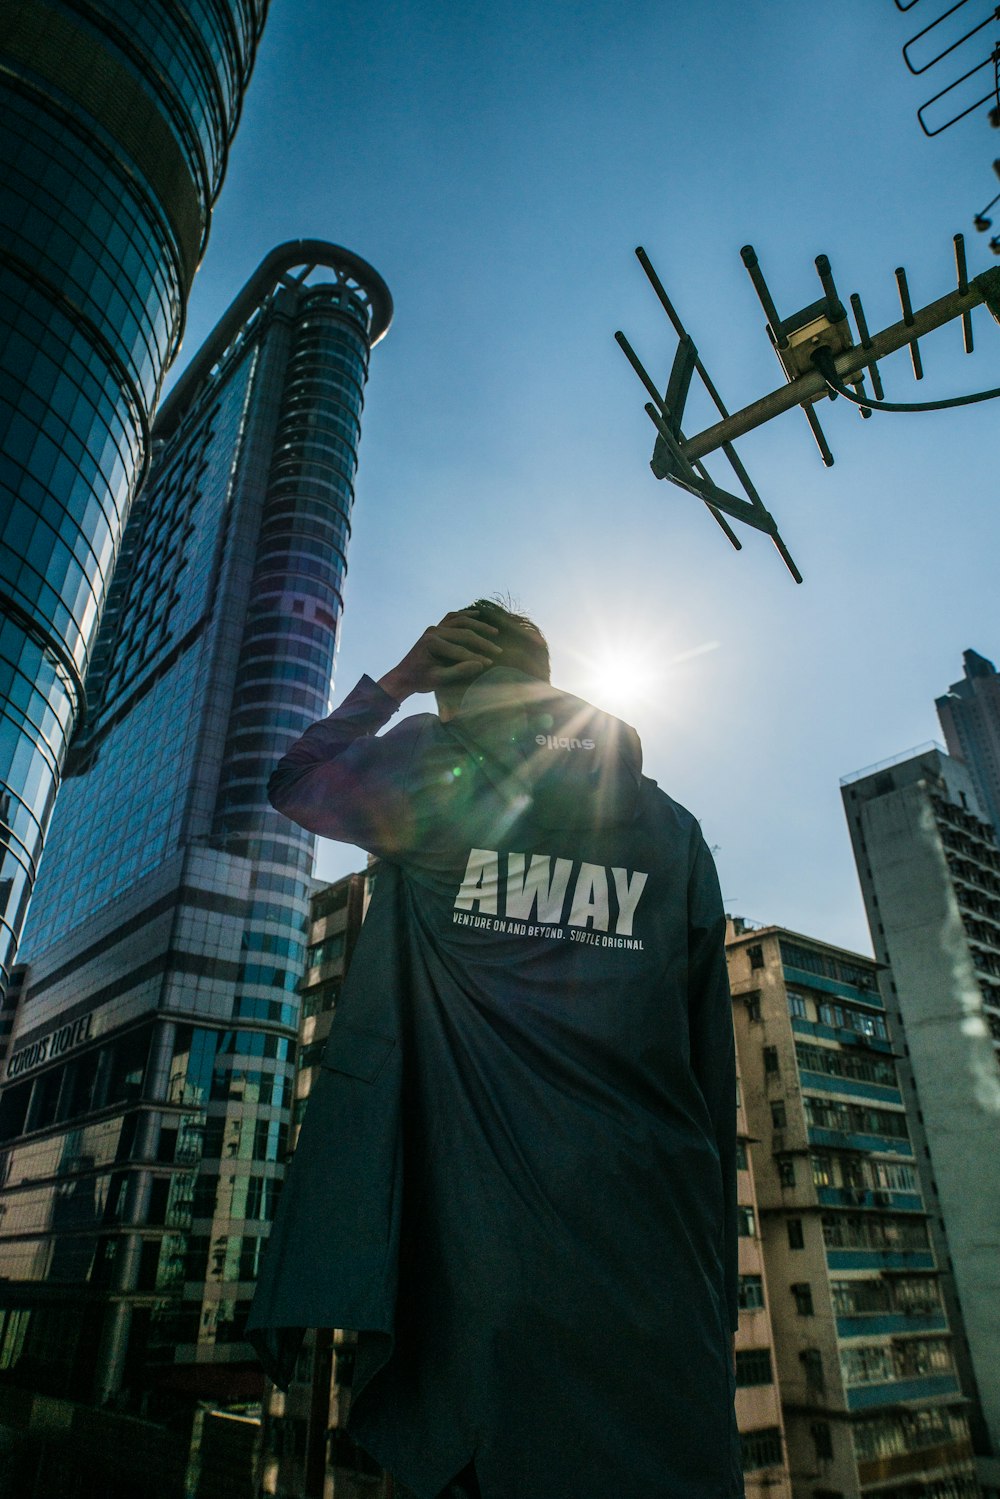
x: 759, y: 1416
x: 969, y: 714
x: 870, y: 1391
x: 115, y: 121
x: 148, y: 1089
x: 305, y: 1450
x: 929, y: 866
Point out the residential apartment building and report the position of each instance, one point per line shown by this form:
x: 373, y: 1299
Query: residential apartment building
x: 759, y: 1416
x: 929, y: 866
x: 305, y: 1451
x: 115, y: 124
x: 147, y: 1095
x: 865, y: 1365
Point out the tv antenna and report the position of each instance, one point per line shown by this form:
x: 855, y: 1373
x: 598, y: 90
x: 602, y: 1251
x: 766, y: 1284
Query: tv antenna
x: 945, y: 37
x: 819, y: 358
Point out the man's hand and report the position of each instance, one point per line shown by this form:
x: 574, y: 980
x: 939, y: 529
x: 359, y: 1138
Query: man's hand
x: 457, y: 650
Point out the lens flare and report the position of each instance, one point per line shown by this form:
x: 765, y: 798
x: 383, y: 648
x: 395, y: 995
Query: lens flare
x: 620, y: 680
x: 626, y: 679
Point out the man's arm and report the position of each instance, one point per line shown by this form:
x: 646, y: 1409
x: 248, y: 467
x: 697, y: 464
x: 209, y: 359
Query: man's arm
x: 713, y: 1044
x: 342, y: 782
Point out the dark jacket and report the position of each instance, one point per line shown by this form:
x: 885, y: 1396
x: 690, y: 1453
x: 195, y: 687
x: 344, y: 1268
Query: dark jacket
x: 516, y: 1177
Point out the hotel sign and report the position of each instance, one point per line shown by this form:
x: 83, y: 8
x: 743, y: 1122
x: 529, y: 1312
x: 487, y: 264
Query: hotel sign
x: 54, y: 1045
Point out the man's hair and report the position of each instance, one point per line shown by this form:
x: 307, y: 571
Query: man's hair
x: 524, y: 646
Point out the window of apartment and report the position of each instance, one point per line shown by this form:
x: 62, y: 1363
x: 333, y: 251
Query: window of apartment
x: 756, y: 955
x: 867, y: 1364
x: 745, y: 1221
x: 327, y: 951
x: 786, y: 1171
x: 752, y: 1002
x: 761, y: 1448
x: 312, y: 1055
x: 811, y: 1361
x: 802, y: 1292
x: 822, y: 1440
x: 797, y: 1004
x: 795, y: 1238
x: 822, y: 1171
x: 750, y: 1295
x: 753, y: 1366
x: 770, y: 1059
x: 741, y: 1155
x: 778, y: 1117
x: 320, y: 999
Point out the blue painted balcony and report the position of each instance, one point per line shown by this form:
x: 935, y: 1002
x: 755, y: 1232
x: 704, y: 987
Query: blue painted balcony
x: 878, y: 1324
x: 873, y: 1092
x: 926, y: 1387
x: 868, y: 1197
x: 880, y: 1259
x: 837, y: 1139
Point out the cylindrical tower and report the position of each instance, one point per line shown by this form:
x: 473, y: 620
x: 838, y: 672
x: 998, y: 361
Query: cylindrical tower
x: 286, y: 663
x: 115, y: 119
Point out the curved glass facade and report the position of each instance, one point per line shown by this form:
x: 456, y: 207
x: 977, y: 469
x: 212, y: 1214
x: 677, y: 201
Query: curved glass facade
x: 115, y: 117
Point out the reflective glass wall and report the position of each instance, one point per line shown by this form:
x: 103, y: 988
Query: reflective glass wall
x: 146, y: 1102
x: 115, y: 118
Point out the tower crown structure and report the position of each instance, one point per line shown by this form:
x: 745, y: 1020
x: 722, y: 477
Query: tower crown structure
x: 969, y: 713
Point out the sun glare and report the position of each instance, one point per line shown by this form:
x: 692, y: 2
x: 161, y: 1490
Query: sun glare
x: 629, y: 680
x: 620, y: 680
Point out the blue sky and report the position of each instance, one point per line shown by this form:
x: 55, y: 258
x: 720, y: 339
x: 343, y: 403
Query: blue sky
x: 498, y: 164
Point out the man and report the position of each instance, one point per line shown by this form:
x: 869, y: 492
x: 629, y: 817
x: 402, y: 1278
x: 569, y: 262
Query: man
x: 517, y: 1174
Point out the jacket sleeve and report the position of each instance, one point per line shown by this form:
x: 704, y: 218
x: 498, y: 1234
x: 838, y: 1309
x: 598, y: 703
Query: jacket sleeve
x: 713, y: 1042
x: 342, y: 782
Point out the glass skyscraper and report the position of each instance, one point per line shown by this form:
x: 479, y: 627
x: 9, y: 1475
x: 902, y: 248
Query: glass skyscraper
x: 147, y: 1095
x: 115, y: 120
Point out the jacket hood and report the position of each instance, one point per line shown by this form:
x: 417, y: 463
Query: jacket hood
x: 560, y: 760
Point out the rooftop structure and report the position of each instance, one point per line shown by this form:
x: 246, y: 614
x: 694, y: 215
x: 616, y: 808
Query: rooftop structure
x: 970, y: 718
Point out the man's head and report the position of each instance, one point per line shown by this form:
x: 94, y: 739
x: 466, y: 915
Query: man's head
x: 522, y: 642
x: 523, y: 647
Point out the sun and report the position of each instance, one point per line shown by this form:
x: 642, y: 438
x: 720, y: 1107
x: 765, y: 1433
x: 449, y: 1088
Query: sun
x: 620, y: 680
x: 631, y: 678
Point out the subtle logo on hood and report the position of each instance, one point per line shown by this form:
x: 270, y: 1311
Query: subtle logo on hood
x: 562, y: 741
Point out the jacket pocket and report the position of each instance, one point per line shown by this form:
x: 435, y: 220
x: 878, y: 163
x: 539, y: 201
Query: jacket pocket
x: 357, y: 1052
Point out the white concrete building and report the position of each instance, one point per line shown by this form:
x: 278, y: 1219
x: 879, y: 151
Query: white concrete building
x: 929, y: 867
